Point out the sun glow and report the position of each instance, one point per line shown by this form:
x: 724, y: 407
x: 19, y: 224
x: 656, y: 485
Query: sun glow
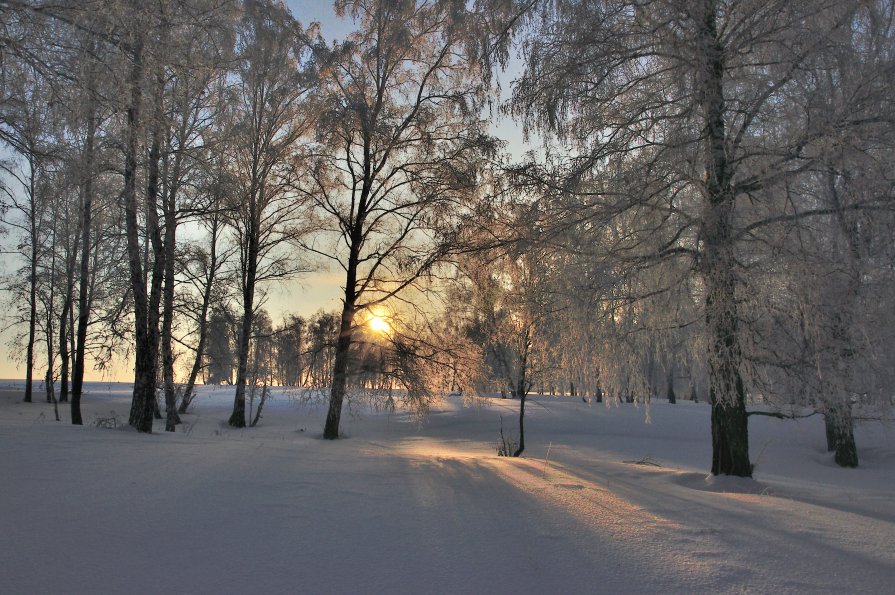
x: 379, y: 324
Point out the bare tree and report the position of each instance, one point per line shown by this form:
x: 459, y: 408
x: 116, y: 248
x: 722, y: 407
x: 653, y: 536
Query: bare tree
x: 398, y: 141
x: 291, y: 340
x: 202, y: 269
x: 89, y: 115
x: 323, y: 334
x: 515, y: 303
x: 270, y: 116
x: 25, y: 128
x: 191, y: 82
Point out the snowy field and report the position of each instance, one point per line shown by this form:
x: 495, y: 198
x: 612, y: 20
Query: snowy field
x: 618, y: 506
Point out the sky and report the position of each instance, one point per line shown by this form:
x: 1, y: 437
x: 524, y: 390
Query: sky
x: 321, y: 11
x: 302, y: 296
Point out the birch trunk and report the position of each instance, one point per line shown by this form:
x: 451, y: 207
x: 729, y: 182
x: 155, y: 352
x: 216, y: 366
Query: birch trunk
x: 730, y: 435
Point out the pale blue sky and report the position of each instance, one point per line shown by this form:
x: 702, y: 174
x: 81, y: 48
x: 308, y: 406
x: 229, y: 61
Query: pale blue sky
x: 321, y: 11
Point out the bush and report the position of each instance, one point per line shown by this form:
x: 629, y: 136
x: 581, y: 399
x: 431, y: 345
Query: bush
x: 507, y: 445
x: 109, y: 422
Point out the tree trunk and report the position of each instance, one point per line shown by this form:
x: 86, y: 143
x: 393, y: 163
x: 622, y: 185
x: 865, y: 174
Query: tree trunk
x: 672, y: 398
x: 63, y: 351
x: 51, y: 357
x: 340, y: 368
x: 72, y: 339
x: 840, y: 434
x: 260, y: 406
x: 523, y: 397
x: 64, y: 354
x: 238, y: 417
x: 153, y: 231
x: 522, y: 388
x: 837, y: 415
x: 168, y: 304
x: 64, y: 329
x: 346, y: 328
x: 48, y: 381
x: 730, y: 435
x: 170, y: 213
x: 80, y: 338
x: 32, y: 281
x: 830, y: 427
x: 141, y: 413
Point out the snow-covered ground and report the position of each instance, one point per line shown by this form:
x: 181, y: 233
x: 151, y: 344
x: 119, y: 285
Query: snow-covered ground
x: 403, y: 507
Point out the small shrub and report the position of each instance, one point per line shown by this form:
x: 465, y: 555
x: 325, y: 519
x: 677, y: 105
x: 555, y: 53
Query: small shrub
x: 109, y: 422
x: 507, y: 445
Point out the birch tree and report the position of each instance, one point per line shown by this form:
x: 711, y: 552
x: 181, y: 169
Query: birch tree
x: 270, y: 116
x: 677, y: 111
x: 396, y: 155
x: 513, y: 305
x: 26, y: 122
x: 191, y: 81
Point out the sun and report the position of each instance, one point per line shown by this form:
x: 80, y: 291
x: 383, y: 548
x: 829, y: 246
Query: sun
x: 379, y: 324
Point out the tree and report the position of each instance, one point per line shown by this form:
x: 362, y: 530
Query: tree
x: 676, y: 111
x: 514, y: 302
x: 291, y: 339
x: 396, y: 156
x: 87, y: 112
x: 218, y: 354
x: 270, y: 116
x: 141, y: 26
x: 190, y: 84
x: 60, y: 44
x: 820, y: 256
x: 202, y: 268
x: 26, y: 123
x: 323, y: 333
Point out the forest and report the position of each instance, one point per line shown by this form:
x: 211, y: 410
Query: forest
x: 705, y: 211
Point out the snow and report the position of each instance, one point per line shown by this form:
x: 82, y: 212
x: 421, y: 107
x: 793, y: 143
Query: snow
x: 403, y: 506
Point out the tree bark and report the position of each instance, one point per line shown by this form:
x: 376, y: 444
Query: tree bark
x: 48, y: 379
x: 238, y: 417
x: 340, y: 368
x: 346, y: 327
x: 170, y: 213
x: 63, y: 322
x: 32, y: 281
x: 730, y: 436
x: 672, y: 398
x: 840, y: 434
x: 77, y: 381
x: 155, y: 241
x: 171, y: 417
x: 523, y: 397
x: 141, y: 413
x: 837, y: 414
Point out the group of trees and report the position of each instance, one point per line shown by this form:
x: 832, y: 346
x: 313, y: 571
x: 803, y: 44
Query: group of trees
x: 717, y: 171
x: 298, y: 352
x: 170, y: 159
x: 709, y: 209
